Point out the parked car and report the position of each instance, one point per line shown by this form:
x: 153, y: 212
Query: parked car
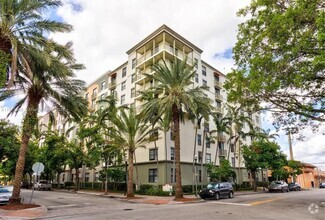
x: 217, y: 191
x: 322, y: 185
x: 294, y: 186
x: 278, y: 186
x: 5, y: 195
x: 43, y: 185
x: 25, y: 185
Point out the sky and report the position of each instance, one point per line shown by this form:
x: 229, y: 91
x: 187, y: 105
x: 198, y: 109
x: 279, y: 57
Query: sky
x: 105, y: 30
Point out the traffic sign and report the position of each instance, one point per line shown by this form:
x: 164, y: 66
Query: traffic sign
x: 38, y: 168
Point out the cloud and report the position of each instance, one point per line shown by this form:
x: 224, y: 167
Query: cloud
x: 104, y: 31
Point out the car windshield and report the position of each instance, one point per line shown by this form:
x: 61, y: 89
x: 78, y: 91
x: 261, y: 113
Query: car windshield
x: 276, y: 183
x: 212, y: 185
x: 2, y: 190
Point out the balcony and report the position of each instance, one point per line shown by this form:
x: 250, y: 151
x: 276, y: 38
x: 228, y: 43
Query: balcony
x: 218, y: 97
x: 219, y: 109
x: 138, y: 109
x: 140, y: 77
x: 94, y: 96
x: 147, y: 58
x: 222, y: 138
x: 222, y: 153
x: 217, y: 84
x: 112, y: 85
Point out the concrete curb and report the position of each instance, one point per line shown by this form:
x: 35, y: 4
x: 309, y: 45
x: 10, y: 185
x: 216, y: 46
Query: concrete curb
x: 31, y: 213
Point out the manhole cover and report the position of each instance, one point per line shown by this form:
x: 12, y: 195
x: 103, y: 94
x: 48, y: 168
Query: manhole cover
x: 127, y: 209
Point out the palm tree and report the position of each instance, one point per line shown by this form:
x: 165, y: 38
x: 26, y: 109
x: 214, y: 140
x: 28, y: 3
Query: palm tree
x: 23, y: 31
x: 51, y: 83
x: 131, y: 134
x: 222, y: 127
x: 201, y: 112
x: 175, y: 97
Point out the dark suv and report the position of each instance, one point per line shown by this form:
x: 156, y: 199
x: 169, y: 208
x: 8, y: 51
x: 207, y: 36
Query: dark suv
x: 217, y: 191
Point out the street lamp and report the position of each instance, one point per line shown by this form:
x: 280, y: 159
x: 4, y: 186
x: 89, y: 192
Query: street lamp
x: 195, y: 179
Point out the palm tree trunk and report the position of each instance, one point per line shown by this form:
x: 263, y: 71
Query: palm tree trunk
x: 178, y: 190
x: 130, y: 192
x: 156, y: 150
x: 194, y: 152
x: 30, y: 121
x: 203, y: 158
x: 136, y: 170
x: 217, y: 149
x: 106, y: 178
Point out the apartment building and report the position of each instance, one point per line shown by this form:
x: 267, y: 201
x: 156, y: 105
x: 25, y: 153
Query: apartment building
x: 126, y: 82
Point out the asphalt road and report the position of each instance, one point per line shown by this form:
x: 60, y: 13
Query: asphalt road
x: 280, y: 206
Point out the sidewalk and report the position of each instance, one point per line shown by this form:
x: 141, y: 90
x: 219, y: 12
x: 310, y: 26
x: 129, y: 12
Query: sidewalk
x: 34, y: 213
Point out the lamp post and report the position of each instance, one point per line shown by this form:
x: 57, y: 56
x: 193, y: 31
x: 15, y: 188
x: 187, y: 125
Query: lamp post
x: 195, y: 174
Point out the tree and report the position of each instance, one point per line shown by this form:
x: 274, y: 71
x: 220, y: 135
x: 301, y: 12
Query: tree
x: 280, y: 60
x: 23, y: 30
x: 51, y: 83
x: 223, y: 173
x: 76, y: 157
x: 263, y: 154
x: 131, y: 134
x: 175, y: 96
x: 222, y: 127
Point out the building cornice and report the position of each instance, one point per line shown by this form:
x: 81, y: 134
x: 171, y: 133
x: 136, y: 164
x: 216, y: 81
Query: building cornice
x: 157, y: 32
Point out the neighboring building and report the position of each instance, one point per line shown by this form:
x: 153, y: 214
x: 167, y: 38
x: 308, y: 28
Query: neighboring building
x: 311, y: 176
x: 127, y: 80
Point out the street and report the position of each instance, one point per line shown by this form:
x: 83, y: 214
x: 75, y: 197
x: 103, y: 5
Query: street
x: 294, y: 205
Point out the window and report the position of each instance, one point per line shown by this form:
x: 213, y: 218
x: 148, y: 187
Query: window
x: 132, y: 92
x: 95, y: 92
x: 196, y: 77
x: 154, y: 135
x: 176, y: 52
x: 204, y: 82
x: 123, y: 85
x: 157, y: 48
x: 86, y: 96
x: 172, y: 175
x: 216, y: 78
x: 171, y: 135
x: 102, y: 96
x: 196, y: 63
x: 134, y: 63
x: 217, y: 91
x: 122, y: 99
x: 133, y: 78
x: 96, y: 177
x: 233, y: 162
x: 208, y: 158
x: 172, y: 153
x: 206, y: 127
x: 200, y: 156
x: 152, y: 175
x: 103, y: 85
x: 257, y: 119
x: 124, y: 72
x: 207, y: 142
x: 232, y: 147
x: 93, y: 103
x: 87, y: 177
x: 204, y: 71
x: 199, y: 139
x: 114, y: 93
x: 63, y: 177
x: 153, y: 154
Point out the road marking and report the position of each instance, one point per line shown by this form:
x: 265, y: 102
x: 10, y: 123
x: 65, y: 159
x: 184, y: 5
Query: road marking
x: 262, y: 201
x: 231, y: 203
x: 61, y: 206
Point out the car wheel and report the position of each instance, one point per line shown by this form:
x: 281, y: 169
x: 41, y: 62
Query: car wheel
x: 217, y: 196
x: 231, y: 195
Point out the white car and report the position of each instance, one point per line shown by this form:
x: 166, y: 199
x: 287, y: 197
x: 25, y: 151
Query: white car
x: 5, y: 195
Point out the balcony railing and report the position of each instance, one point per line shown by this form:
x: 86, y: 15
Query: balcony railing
x: 218, y: 109
x: 218, y: 96
x: 94, y: 96
x: 112, y: 84
x: 149, y: 54
x: 222, y: 153
x: 217, y: 83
